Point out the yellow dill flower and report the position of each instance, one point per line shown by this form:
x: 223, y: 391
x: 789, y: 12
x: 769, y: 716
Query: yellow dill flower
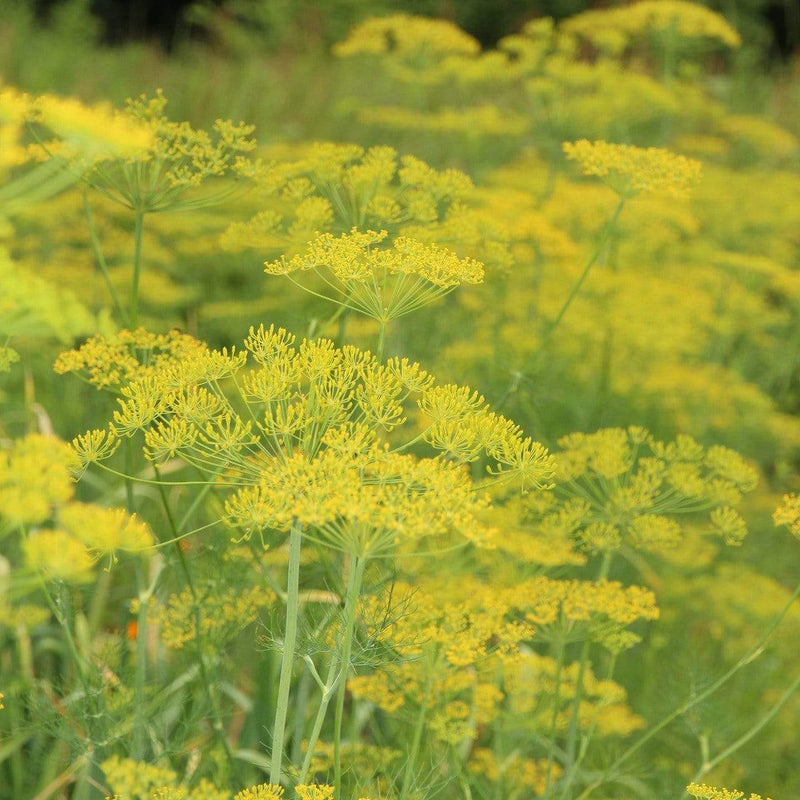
x: 732, y: 527
x: 95, y: 132
x: 686, y: 19
x: 105, y: 530
x: 486, y: 119
x: 406, y: 35
x: 263, y: 791
x: 178, y: 159
x: 381, y: 283
x: 631, y: 170
x: 705, y: 792
x: 637, y: 482
x: 135, y: 780
x: 322, y: 441
x: 788, y: 513
x: 222, y: 614
x: 364, y: 506
x: 112, y: 361
x: 580, y: 601
x: 59, y: 556
x: 333, y: 188
x: 174, y: 793
x: 94, y: 446
x: 313, y: 791
x: 514, y: 770
x: 35, y: 477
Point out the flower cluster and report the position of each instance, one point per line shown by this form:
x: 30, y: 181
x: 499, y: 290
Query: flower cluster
x: 631, y: 170
x: 617, y: 26
x: 332, y: 188
x: 137, y: 780
x: 36, y: 485
x: 221, y: 614
x: 381, y: 283
x: 624, y: 487
x: 110, y: 362
x: 704, y: 792
x: 89, y: 134
x: 788, y: 513
x: 313, y: 433
x: 406, y: 37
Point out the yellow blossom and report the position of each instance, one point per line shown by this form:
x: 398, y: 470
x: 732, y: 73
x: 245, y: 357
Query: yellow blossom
x: 263, y: 791
x: 105, y: 530
x: 705, y: 792
x: 93, y: 132
x: 309, y: 791
x: 59, y: 556
x: 381, y: 283
x: 631, y: 170
x: 788, y: 513
x: 35, y: 477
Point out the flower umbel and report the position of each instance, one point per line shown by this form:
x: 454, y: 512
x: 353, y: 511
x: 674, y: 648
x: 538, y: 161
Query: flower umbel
x: 631, y: 170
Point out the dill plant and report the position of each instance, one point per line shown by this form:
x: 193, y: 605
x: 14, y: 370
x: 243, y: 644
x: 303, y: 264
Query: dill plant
x: 472, y: 593
x: 301, y: 437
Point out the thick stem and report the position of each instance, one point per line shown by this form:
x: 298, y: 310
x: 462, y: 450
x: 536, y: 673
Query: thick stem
x: 327, y: 693
x: 287, y: 657
x: 138, y: 230
x: 350, y: 608
x: 381, y: 340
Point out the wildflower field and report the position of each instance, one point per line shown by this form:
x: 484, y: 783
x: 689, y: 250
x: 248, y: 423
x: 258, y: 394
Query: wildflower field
x: 389, y: 415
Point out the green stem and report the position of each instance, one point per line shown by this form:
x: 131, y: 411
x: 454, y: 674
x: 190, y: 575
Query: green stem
x: 140, y: 676
x: 350, y: 608
x: 551, y: 743
x: 601, y: 243
x: 327, y: 693
x: 572, y: 733
x: 381, y: 340
x: 551, y: 329
x: 216, y: 713
x: 80, y: 663
x: 140, y: 679
x: 417, y: 740
x: 708, y: 765
x: 300, y: 707
x: 746, y: 659
x: 138, y: 230
x: 287, y: 657
x: 101, y: 261
x: 586, y: 740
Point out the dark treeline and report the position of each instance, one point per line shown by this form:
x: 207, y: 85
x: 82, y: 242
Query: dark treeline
x: 773, y: 25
